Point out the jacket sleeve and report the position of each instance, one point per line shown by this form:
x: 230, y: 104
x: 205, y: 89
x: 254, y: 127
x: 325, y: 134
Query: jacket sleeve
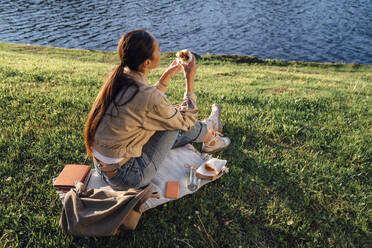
x: 162, y: 115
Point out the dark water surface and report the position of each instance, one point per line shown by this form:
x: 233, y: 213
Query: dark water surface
x: 306, y: 30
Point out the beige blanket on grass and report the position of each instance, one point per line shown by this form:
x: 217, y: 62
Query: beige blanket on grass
x: 172, y: 169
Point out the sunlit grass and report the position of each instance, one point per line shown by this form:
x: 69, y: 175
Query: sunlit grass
x: 300, y: 158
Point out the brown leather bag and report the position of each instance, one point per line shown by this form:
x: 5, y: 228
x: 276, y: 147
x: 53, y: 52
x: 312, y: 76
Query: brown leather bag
x: 99, y: 212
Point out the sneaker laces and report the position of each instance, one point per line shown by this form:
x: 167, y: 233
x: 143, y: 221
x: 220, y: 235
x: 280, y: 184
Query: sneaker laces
x: 215, y: 134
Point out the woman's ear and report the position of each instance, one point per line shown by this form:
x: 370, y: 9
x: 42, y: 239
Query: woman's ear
x: 147, y: 63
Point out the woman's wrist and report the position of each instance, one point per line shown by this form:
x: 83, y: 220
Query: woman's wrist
x: 164, y: 81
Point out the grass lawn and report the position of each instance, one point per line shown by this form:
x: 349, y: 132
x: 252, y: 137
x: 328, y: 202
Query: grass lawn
x: 300, y: 158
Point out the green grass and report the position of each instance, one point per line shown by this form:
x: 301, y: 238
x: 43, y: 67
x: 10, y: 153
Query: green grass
x: 300, y: 158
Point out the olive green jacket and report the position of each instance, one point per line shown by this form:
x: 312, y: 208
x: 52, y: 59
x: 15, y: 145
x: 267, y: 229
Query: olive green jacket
x: 124, y: 129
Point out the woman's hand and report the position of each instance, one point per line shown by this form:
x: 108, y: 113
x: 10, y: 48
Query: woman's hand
x: 189, y: 72
x: 172, y: 70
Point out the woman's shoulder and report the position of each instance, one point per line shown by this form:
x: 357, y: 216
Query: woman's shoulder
x: 147, y: 96
x: 157, y: 97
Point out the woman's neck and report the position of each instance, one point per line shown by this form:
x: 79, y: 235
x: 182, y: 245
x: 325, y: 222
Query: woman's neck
x: 145, y: 71
x: 141, y: 75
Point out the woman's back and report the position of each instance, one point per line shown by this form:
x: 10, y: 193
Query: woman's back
x: 121, y: 132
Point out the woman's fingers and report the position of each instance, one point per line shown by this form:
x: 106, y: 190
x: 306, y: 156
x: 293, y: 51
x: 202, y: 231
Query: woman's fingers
x: 192, y: 59
x: 176, y: 65
x: 173, y: 69
x: 189, y: 65
x: 175, y: 62
x: 190, y: 70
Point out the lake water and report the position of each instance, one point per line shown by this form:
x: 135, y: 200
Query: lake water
x: 306, y: 30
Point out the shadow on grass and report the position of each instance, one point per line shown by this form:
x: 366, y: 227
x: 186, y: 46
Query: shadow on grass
x: 286, y: 212
x: 259, y: 203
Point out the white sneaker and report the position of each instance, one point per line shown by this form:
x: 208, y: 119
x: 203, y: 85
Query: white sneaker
x: 216, y: 143
x: 214, y: 120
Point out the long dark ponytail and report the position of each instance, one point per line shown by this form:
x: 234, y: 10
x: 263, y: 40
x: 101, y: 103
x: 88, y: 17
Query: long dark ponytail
x: 133, y: 48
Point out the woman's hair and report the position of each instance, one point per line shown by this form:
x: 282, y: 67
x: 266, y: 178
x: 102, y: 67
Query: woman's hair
x: 133, y: 48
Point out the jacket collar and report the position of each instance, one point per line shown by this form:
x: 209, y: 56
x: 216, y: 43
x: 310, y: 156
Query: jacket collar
x: 136, y: 75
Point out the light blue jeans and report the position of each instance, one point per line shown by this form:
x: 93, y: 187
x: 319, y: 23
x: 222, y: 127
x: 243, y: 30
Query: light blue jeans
x: 138, y: 172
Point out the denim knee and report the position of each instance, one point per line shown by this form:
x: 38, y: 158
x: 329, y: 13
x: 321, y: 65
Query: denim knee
x: 203, y: 130
x: 196, y: 134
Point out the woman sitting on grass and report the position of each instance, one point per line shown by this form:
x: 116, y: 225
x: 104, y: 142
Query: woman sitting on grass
x: 132, y: 125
